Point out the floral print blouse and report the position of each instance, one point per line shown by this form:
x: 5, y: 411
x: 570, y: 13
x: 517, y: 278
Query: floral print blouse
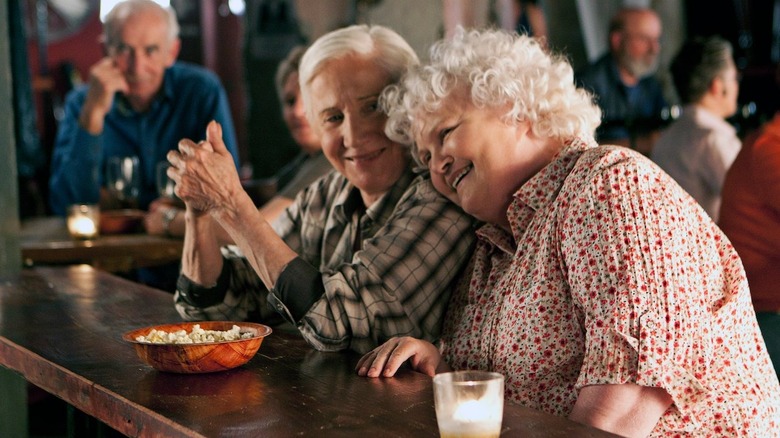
x: 613, y: 274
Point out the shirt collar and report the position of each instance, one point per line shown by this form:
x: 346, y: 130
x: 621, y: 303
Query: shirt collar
x: 543, y: 188
x: 166, y: 94
x: 536, y: 194
x: 167, y: 86
x: 349, y: 200
x: 614, y: 71
x: 705, y: 117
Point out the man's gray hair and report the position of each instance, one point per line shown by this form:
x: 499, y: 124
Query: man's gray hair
x: 118, y: 16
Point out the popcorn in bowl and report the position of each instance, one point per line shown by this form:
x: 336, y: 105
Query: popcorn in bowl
x: 196, y: 336
x: 197, y: 347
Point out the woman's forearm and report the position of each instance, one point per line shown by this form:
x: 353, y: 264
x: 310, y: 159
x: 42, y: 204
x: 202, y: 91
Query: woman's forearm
x: 250, y: 231
x: 626, y: 409
x: 201, y: 260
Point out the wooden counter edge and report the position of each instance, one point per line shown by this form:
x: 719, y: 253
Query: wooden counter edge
x: 117, y: 412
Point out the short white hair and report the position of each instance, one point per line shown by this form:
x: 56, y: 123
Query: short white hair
x: 499, y: 68
x: 118, y: 16
x: 387, y: 48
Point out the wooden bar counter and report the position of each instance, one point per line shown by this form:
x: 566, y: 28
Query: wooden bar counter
x: 45, y: 241
x: 60, y: 329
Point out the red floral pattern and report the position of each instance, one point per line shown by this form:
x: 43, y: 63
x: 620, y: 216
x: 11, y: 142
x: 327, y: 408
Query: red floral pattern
x: 613, y: 274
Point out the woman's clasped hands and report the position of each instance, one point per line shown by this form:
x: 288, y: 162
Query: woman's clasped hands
x: 205, y: 174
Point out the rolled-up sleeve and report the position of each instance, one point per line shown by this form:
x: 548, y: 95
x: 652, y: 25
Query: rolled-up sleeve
x: 239, y: 294
x: 397, y: 283
x: 632, y: 272
x: 76, y: 161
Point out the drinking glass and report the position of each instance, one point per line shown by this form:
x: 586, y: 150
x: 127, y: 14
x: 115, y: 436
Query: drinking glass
x: 165, y: 185
x: 123, y: 180
x: 469, y: 403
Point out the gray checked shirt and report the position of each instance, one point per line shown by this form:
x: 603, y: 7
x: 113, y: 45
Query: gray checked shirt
x: 362, y: 275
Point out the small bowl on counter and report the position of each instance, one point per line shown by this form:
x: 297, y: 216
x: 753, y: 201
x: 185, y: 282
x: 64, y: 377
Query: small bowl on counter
x: 187, y: 348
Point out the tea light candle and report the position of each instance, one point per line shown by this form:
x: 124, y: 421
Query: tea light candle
x: 83, y: 221
x: 475, y: 411
x: 469, y: 403
x: 474, y: 418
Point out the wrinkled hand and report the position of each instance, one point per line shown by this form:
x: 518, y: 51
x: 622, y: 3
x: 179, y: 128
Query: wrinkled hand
x: 388, y: 357
x: 205, y: 174
x: 105, y: 80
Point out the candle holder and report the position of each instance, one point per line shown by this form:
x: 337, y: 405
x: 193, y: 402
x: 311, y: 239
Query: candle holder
x: 83, y: 220
x: 469, y: 403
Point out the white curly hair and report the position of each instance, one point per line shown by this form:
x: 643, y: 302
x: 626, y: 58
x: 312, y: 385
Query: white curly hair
x: 500, y: 68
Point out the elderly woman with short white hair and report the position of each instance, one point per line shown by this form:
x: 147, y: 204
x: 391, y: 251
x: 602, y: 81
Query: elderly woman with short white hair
x: 363, y: 254
x: 597, y: 287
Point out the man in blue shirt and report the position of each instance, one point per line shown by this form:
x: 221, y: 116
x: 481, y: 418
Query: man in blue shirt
x: 630, y: 97
x: 138, y: 102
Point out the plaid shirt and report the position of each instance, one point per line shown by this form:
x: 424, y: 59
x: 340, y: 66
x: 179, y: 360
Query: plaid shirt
x: 379, y: 272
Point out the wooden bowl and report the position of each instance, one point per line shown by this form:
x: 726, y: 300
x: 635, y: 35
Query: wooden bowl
x: 121, y: 221
x: 201, y: 357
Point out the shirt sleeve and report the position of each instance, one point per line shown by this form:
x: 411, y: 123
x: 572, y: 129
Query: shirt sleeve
x: 399, y: 282
x: 75, y: 161
x: 298, y: 276
x: 239, y: 294
x: 636, y: 251
x: 717, y: 154
x: 204, y: 89
x: 765, y: 167
x: 223, y: 116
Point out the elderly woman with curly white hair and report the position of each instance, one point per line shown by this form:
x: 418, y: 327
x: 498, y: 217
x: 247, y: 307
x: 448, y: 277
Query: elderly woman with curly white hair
x: 598, y: 287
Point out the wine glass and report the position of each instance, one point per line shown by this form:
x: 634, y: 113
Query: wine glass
x: 123, y: 180
x: 165, y: 185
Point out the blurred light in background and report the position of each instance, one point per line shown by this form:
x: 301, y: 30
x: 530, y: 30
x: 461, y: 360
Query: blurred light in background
x: 237, y: 7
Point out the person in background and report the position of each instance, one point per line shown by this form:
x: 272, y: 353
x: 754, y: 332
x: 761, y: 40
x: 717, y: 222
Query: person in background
x: 138, y: 101
x: 366, y: 253
x: 750, y: 217
x: 271, y: 29
x: 311, y: 163
x: 698, y: 148
x: 523, y: 16
x: 598, y: 287
x: 306, y: 168
x: 630, y: 96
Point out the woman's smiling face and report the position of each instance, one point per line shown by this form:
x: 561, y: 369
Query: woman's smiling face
x: 345, y: 115
x: 476, y: 159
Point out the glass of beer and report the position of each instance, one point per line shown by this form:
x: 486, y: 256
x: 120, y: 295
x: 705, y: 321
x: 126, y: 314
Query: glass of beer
x: 469, y: 404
